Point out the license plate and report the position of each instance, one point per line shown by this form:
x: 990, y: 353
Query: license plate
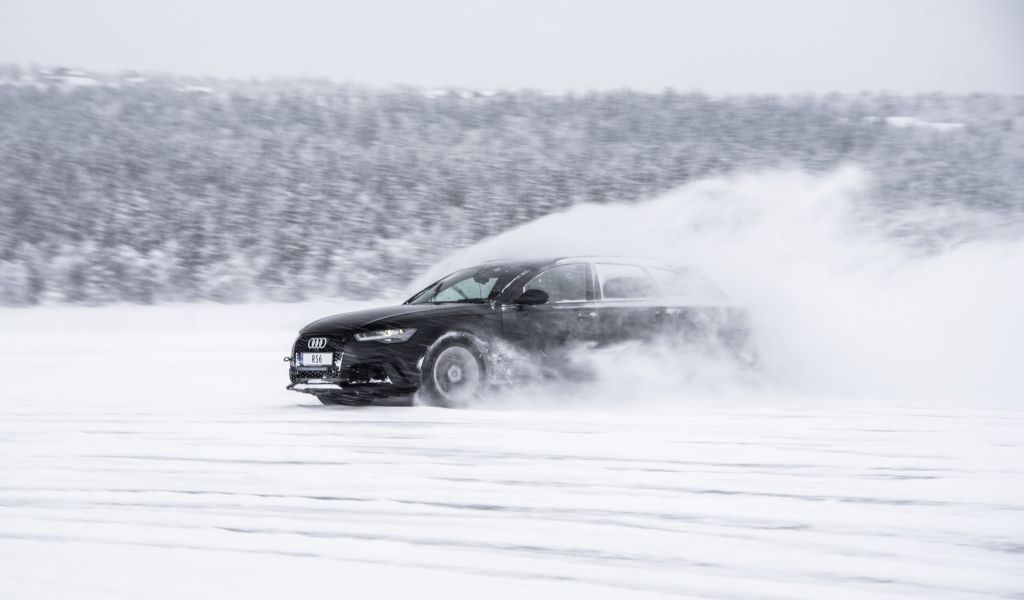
x: 315, y: 359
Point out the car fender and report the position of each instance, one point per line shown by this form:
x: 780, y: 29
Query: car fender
x: 483, y: 346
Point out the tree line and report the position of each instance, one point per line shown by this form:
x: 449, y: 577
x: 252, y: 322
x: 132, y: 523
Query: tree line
x: 155, y: 188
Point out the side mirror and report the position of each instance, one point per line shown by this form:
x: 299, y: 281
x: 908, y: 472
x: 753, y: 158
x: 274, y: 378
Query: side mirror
x: 532, y: 297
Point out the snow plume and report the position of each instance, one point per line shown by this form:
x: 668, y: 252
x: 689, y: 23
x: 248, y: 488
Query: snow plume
x: 848, y: 301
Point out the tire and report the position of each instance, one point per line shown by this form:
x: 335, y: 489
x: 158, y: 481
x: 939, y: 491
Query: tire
x: 453, y: 373
x: 343, y: 400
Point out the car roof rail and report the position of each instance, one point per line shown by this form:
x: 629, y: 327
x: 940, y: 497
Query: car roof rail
x: 640, y: 260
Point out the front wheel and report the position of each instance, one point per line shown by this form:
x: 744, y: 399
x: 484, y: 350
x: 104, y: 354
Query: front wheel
x: 453, y: 373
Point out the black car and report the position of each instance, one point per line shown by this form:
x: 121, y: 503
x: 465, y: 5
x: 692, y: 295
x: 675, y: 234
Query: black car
x: 463, y: 333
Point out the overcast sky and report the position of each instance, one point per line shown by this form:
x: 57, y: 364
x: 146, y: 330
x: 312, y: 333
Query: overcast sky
x: 720, y: 46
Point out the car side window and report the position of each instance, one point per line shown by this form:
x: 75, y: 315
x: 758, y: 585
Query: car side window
x: 620, y: 282
x: 684, y: 283
x: 564, y: 283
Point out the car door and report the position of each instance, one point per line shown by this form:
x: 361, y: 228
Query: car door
x: 568, y: 318
x: 628, y: 302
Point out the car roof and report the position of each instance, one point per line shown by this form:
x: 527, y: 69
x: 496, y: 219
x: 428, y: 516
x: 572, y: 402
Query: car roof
x: 519, y: 262
x: 553, y: 260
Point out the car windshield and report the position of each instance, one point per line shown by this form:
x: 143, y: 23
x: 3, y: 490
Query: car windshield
x: 477, y: 285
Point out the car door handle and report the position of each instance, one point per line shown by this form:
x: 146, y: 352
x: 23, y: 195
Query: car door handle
x: 587, y: 314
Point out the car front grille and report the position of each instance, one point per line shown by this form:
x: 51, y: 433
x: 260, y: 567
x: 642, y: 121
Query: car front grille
x: 335, y: 344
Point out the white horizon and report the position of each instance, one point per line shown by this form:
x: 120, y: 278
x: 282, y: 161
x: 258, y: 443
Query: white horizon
x: 721, y: 48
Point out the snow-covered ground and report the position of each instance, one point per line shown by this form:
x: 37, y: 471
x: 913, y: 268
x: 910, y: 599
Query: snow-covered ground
x: 153, y: 453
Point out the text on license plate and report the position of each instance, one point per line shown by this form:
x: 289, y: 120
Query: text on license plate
x: 315, y: 359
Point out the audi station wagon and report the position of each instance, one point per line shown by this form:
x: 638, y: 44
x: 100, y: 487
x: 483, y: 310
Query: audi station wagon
x: 462, y: 335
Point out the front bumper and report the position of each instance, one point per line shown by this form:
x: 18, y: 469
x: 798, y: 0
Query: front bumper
x: 312, y: 388
x: 358, y: 367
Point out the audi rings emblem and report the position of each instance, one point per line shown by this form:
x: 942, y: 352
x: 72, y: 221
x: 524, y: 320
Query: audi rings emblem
x: 317, y: 343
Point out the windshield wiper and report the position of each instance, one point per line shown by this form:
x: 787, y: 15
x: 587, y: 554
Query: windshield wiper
x: 461, y: 301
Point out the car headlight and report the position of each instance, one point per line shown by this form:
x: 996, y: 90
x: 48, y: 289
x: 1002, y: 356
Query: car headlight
x: 387, y: 336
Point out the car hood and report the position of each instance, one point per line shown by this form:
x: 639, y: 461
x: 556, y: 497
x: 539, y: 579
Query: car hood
x: 386, y: 316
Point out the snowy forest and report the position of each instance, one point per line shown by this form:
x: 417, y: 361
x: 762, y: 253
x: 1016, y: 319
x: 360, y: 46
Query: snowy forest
x: 150, y: 188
